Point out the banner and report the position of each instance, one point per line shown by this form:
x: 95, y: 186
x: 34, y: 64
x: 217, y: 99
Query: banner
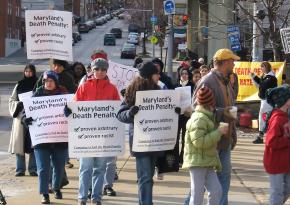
x: 49, y: 34
x: 22, y: 96
x: 247, y: 90
x: 155, y: 125
x: 94, y: 130
x: 50, y: 124
x: 120, y: 75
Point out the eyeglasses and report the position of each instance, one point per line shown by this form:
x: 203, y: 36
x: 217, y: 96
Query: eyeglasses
x: 184, y: 73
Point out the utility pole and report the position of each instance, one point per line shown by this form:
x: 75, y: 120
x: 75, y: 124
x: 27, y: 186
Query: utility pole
x: 153, y: 29
x: 257, y: 51
x: 170, y: 46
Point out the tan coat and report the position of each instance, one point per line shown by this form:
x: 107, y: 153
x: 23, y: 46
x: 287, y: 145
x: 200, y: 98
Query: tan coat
x: 16, y: 145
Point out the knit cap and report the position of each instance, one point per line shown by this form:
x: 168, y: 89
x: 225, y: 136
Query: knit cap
x: 205, y: 96
x: 50, y: 74
x: 278, y: 96
x: 99, y: 53
x: 99, y: 63
x: 147, y: 70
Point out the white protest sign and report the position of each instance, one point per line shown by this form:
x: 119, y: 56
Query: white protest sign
x: 49, y: 34
x: 121, y: 75
x: 22, y: 96
x: 285, y: 39
x: 185, y: 97
x: 94, y: 130
x: 50, y: 124
x: 155, y: 125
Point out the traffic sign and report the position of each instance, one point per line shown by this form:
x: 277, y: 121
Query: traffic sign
x: 169, y: 7
x: 154, y: 39
x: 153, y: 19
x: 236, y: 47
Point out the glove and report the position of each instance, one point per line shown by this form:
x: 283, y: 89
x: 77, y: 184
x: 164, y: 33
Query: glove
x: 28, y: 121
x: 19, y: 108
x: 177, y: 110
x: 67, y: 111
x: 133, y: 110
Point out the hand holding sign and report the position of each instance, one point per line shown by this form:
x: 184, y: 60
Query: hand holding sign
x: 133, y: 110
x: 67, y: 111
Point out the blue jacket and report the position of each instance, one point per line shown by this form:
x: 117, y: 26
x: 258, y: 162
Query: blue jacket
x: 125, y: 117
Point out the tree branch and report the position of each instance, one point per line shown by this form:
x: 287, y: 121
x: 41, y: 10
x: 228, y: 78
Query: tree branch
x: 286, y: 19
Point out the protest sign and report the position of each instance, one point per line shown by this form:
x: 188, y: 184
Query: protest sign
x: 49, y: 34
x: 49, y: 123
x: 185, y: 97
x: 121, y: 75
x: 94, y: 130
x: 247, y: 90
x: 155, y: 125
x: 22, y: 96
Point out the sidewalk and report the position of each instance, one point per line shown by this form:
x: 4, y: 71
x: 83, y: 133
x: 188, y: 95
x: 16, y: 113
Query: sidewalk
x: 249, y: 183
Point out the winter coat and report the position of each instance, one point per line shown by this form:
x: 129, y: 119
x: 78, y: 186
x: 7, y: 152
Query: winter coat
x: 201, y: 140
x: 264, y: 83
x: 224, y: 97
x: 65, y: 79
x: 20, y: 142
x: 167, y: 81
x: 277, y: 146
x: 96, y: 89
x: 125, y: 117
x: 40, y: 92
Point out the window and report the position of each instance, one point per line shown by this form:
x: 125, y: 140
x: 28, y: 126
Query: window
x: 9, y: 7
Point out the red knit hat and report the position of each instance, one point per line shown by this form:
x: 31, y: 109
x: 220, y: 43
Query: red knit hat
x: 205, y: 96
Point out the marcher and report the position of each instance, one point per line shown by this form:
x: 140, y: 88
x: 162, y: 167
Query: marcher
x: 217, y: 80
x: 277, y: 145
x: 137, y: 61
x: 200, y: 155
x: 204, y: 69
x: 163, y: 77
x: 196, y: 76
x: 268, y: 80
x: 65, y: 77
x: 79, y: 71
x: 183, y: 118
x: 50, y: 154
x: 92, y: 169
x: 20, y: 142
x: 145, y: 161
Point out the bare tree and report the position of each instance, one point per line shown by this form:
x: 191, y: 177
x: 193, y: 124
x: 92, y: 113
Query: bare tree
x: 276, y: 13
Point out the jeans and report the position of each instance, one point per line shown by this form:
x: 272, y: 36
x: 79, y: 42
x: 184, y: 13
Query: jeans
x: 110, y: 172
x: 204, y: 177
x: 43, y: 157
x: 187, y: 200
x: 145, y: 167
x: 20, y: 163
x: 225, y: 175
x: 279, y: 188
x: 91, y: 174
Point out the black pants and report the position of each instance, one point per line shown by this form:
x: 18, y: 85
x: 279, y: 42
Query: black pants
x: 181, y: 128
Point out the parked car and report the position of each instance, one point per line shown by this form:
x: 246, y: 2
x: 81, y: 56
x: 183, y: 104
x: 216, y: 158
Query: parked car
x: 77, y: 36
x: 74, y: 37
x: 128, y: 51
x: 117, y: 32
x: 133, y: 39
x: 83, y: 27
x: 133, y: 28
x: 109, y: 39
x: 99, y: 22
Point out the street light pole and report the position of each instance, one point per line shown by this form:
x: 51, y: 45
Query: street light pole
x: 170, y: 46
x: 153, y: 29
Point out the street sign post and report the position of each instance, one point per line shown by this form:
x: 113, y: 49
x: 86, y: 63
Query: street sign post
x: 169, y: 7
x: 154, y: 40
x: 234, y: 37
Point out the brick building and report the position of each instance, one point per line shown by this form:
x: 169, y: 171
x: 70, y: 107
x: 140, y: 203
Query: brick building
x: 10, y: 29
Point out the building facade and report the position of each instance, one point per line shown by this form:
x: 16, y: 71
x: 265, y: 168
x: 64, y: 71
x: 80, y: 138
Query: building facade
x: 10, y: 35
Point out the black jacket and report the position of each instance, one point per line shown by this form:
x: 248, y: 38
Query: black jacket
x: 265, y: 82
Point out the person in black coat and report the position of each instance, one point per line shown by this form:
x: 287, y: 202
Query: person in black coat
x: 183, y: 118
x: 20, y: 142
x: 266, y: 81
x: 163, y: 77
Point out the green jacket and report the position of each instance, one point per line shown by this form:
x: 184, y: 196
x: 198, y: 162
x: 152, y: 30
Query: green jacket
x: 201, y: 140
